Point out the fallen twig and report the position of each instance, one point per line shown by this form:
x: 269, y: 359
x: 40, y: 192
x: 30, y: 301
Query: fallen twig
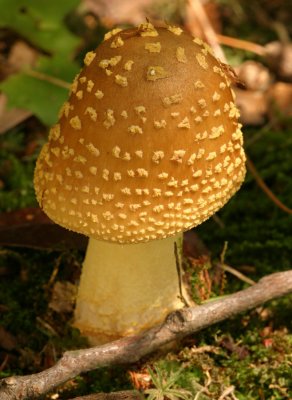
x: 236, y: 273
x: 265, y: 188
x: 130, y: 349
x: 200, y: 15
x: 241, y: 44
x: 124, y: 395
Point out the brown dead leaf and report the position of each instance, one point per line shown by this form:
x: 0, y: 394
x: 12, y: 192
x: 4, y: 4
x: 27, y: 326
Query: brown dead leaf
x: 254, y: 75
x: 228, y: 343
x: 21, y: 55
x: 113, y: 12
x: 49, y: 357
x: 7, y: 340
x: 141, y: 380
x: 30, y: 227
x: 280, y: 98
x: 63, y: 297
x: 11, y: 117
x: 279, y: 57
x: 192, y: 17
x: 253, y: 106
x: 193, y: 246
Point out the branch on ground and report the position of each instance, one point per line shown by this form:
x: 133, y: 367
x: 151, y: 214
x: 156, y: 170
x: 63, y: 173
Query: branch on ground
x: 265, y: 188
x: 177, y: 325
x: 124, y: 395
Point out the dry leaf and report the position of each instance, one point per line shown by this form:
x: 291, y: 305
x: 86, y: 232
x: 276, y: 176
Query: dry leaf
x: 7, y: 340
x: 113, y: 12
x: 9, y: 118
x: 193, y: 246
x: 254, y: 75
x: 141, y: 380
x: 279, y: 57
x: 212, y: 11
x: 21, y: 55
x: 253, y: 106
x: 63, y: 297
x: 30, y: 227
x: 280, y: 98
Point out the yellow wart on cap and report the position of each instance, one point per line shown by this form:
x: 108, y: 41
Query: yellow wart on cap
x: 134, y: 129
x: 147, y: 29
x: 156, y: 72
x: 89, y: 57
x: 117, y: 42
x: 153, y: 47
x: 174, y: 99
x: 75, y: 122
x: 128, y: 65
x: 112, y: 33
x: 121, y: 80
x: 202, y: 61
x: 180, y: 55
x: 175, y: 29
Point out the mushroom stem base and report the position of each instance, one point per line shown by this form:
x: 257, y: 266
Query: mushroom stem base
x: 125, y: 289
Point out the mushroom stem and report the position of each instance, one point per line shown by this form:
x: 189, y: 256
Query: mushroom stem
x: 125, y: 289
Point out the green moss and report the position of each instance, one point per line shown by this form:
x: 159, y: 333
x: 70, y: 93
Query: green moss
x: 16, y: 172
x: 242, y: 353
x: 265, y: 370
x: 24, y: 292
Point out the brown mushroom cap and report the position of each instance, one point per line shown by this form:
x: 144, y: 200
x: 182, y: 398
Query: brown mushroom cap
x: 148, y: 143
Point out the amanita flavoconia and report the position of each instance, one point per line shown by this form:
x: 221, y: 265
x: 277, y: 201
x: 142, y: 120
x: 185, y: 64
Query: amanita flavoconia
x: 147, y: 146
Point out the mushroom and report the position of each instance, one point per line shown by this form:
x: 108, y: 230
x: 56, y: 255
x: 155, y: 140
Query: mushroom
x: 147, y: 146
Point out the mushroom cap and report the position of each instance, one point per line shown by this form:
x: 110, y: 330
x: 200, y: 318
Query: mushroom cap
x: 148, y: 143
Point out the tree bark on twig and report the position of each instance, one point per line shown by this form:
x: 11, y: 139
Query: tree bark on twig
x: 130, y: 349
x: 124, y: 395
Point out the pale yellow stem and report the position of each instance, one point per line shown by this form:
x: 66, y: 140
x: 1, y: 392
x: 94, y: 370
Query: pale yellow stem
x: 125, y: 289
